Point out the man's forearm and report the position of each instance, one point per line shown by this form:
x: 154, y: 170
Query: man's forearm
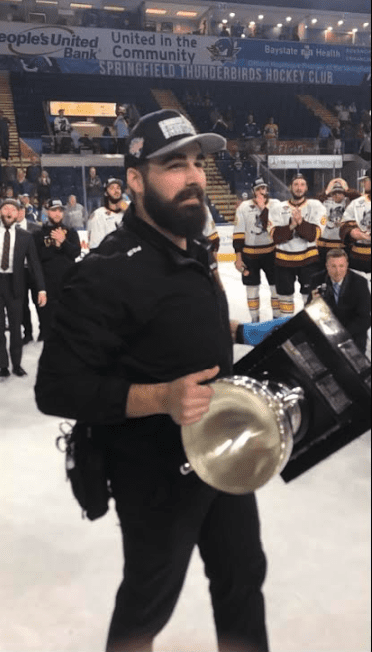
x: 146, y: 400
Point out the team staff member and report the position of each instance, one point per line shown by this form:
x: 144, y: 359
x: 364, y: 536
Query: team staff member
x: 58, y: 247
x: 356, y: 228
x: 254, y: 247
x: 347, y: 294
x: 295, y: 229
x: 16, y: 247
x: 141, y: 326
x: 107, y: 218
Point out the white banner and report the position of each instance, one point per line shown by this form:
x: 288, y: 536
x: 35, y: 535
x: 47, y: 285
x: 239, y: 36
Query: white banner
x: 309, y: 162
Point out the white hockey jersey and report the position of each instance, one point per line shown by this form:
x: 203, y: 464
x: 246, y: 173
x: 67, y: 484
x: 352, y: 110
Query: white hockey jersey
x: 101, y: 223
x: 251, y: 236
x: 297, y: 248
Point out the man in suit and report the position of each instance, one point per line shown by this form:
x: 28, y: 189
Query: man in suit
x: 31, y: 227
x: 347, y: 294
x: 16, y: 246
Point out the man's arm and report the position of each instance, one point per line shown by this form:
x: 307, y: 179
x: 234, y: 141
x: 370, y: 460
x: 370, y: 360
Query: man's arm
x: 79, y: 376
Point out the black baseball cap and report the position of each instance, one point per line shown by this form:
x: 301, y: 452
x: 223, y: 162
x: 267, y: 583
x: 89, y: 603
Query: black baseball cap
x: 54, y: 203
x: 367, y: 175
x: 164, y: 132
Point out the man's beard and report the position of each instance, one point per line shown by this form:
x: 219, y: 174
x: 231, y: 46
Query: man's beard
x: 182, y: 221
x: 299, y: 197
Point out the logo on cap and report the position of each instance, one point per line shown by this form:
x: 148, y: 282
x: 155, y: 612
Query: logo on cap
x: 177, y: 127
x: 136, y: 147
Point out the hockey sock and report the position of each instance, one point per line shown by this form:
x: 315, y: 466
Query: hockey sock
x: 286, y: 305
x: 275, y: 304
x: 253, y: 296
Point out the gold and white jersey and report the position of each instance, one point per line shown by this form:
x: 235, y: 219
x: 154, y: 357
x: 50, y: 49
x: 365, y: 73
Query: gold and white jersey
x: 251, y: 235
x: 298, y: 247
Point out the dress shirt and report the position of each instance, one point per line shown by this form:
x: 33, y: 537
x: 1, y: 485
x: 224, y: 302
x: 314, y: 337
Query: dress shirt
x: 12, y: 232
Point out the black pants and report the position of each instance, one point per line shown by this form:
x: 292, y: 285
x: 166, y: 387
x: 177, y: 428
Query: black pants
x: 26, y: 320
x: 286, y: 278
x: 14, y: 309
x: 163, y: 515
x: 266, y: 262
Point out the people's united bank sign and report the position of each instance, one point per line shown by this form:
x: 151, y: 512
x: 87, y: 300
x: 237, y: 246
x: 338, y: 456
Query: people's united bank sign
x: 125, y: 53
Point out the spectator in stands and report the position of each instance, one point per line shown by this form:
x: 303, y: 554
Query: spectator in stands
x: 21, y: 185
x: 324, y: 137
x: 43, y: 189
x: 86, y: 142
x: 122, y: 131
x: 251, y: 134
x: 106, y: 219
x: 31, y: 227
x: 4, y: 135
x: 58, y: 247
x: 225, y: 32
x: 220, y: 127
x: 271, y: 135
x: 75, y: 137
x: 365, y: 147
x: 343, y: 116
x: 62, y: 129
x: 30, y: 211
x: 353, y: 110
x: 337, y: 141
x: 9, y: 174
x: 34, y: 171
x: 75, y: 214
x: 94, y: 191
x: 8, y: 192
x: 108, y: 145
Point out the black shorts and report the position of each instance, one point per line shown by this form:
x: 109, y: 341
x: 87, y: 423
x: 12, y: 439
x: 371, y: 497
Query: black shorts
x: 266, y: 262
x: 287, y: 276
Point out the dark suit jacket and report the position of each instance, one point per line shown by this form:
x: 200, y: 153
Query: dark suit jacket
x: 354, y: 306
x: 24, y: 249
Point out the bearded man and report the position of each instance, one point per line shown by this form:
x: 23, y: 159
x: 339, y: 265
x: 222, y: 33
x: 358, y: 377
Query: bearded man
x: 106, y: 219
x: 141, y: 327
x: 296, y: 228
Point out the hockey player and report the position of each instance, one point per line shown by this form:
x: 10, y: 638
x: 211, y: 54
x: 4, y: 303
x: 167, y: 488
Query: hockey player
x: 254, y: 247
x: 356, y: 228
x: 295, y: 229
x: 335, y: 201
x: 107, y: 218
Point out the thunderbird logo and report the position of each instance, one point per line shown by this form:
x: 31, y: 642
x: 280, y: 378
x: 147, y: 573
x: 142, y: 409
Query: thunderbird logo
x: 224, y: 50
x: 307, y: 52
x: 136, y: 147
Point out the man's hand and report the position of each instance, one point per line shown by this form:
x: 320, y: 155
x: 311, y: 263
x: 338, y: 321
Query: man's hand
x: 59, y: 236
x: 187, y: 400
x: 260, y: 201
x: 42, y: 299
x: 296, y: 218
x: 240, y: 265
x: 357, y: 234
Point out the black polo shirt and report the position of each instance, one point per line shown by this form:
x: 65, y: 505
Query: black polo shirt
x: 139, y: 310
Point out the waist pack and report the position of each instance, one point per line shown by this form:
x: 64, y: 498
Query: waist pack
x: 85, y: 469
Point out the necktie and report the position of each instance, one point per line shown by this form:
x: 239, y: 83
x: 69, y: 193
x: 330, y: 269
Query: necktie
x: 6, y: 250
x: 336, y: 289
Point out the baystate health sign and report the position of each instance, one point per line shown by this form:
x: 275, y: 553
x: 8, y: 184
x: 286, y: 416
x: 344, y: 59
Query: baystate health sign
x: 123, y: 53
